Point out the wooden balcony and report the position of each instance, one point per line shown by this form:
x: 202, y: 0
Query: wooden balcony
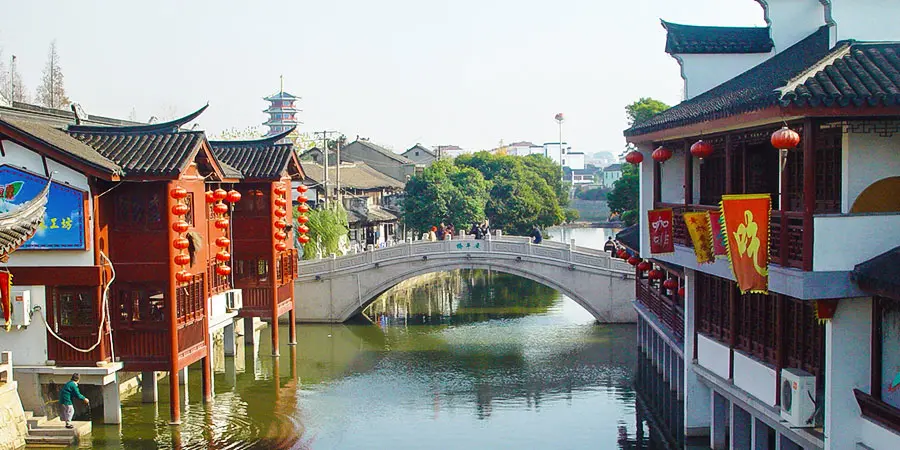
x: 67, y: 356
x: 665, y: 309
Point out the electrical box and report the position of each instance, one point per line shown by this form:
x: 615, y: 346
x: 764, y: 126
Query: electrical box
x: 21, y: 307
x: 798, y: 393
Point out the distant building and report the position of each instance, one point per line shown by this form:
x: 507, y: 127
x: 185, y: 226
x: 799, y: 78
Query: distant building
x: 611, y: 174
x: 449, y: 151
x: 282, y: 112
x: 579, y: 176
x: 420, y: 154
x: 573, y: 160
x: 315, y: 155
x: 379, y: 158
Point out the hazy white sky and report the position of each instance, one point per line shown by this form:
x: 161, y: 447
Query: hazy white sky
x: 464, y: 72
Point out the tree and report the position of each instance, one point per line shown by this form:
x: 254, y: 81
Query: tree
x: 625, y: 194
x: 445, y: 192
x: 644, y: 109
x: 327, y: 228
x: 234, y: 134
x: 52, y: 92
x: 11, y: 86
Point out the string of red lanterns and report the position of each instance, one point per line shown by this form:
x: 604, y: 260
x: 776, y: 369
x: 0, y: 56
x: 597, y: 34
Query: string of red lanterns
x: 218, y: 198
x: 280, y: 212
x: 180, y: 209
x: 302, y: 219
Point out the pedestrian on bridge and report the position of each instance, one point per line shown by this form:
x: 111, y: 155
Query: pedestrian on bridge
x: 476, y: 230
x: 536, y: 236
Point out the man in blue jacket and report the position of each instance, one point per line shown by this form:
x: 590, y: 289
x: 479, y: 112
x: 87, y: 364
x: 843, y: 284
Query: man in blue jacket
x: 69, y: 390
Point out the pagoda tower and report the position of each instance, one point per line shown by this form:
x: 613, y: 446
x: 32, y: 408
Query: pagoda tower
x: 281, y: 111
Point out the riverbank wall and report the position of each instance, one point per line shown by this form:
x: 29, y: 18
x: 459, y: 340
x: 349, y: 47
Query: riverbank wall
x: 13, y: 426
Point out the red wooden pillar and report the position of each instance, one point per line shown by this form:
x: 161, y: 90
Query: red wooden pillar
x: 273, y: 272
x: 171, y: 308
x: 207, y: 376
x: 809, y: 190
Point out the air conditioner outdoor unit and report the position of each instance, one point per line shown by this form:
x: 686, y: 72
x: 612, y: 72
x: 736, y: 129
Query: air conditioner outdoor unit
x: 234, y: 299
x: 21, y: 307
x: 798, y: 393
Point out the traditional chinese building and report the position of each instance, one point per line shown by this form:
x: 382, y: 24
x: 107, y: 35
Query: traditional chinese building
x: 282, y: 113
x: 129, y: 264
x: 804, y: 365
x: 265, y: 260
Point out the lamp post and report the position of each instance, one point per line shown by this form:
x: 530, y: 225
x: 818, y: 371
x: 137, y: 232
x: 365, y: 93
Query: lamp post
x: 559, y: 120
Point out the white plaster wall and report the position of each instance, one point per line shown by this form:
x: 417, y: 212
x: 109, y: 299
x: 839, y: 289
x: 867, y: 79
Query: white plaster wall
x: 847, y: 362
x: 866, y: 20
x: 755, y: 377
x: 646, y: 198
x: 793, y: 20
x: 841, y: 242
x: 876, y: 436
x: 29, y: 344
x: 23, y: 158
x: 575, y: 161
x: 713, y: 355
x: 705, y: 71
x: 866, y: 158
x: 672, y: 174
x: 696, y: 394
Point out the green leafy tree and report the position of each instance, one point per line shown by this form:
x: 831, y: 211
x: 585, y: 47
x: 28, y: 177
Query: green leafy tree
x: 445, y: 192
x: 572, y: 215
x: 625, y: 194
x: 327, y: 228
x: 644, y: 109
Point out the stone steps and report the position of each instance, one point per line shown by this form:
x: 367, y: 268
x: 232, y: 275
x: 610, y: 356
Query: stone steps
x: 43, y: 433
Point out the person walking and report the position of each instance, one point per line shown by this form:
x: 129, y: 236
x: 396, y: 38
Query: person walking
x: 441, y: 230
x: 432, y: 235
x: 476, y: 230
x: 69, y: 390
x: 610, y: 247
x: 536, y: 236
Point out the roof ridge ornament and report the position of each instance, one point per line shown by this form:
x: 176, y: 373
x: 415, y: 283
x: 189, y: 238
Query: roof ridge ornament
x: 172, y: 126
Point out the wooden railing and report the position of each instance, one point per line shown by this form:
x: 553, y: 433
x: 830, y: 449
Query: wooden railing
x: 67, y: 356
x: 146, y: 344
x: 257, y: 302
x: 786, y: 234
x: 286, y: 268
x: 217, y: 283
x: 190, y: 334
x: 189, y: 300
x: 669, y: 313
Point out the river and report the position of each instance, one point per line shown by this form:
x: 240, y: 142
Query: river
x: 460, y: 360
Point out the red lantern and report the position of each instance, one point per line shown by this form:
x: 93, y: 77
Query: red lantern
x: 302, y: 219
x: 785, y: 139
x: 280, y: 201
x: 302, y: 208
x: 178, y: 193
x: 655, y: 274
x: 302, y: 229
x: 280, y: 246
x: 223, y: 270
x: 280, y: 212
x: 180, y: 226
x: 634, y: 260
x: 661, y: 154
x: 221, y: 224
x: 681, y: 292
x: 222, y: 242
x: 623, y: 254
x: 220, y: 194
x: 181, y: 243
x: 280, y: 224
x: 670, y: 283
x: 634, y: 157
x: 303, y: 238
x: 220, y: 208
x: 701, y: 149
x: 210, y: 197
x: 182, y: 260
x: 183, y: 276
x: 180, y: 209
x: 279, y: 189
x: 233, y: 196
x: 280, y: 235
x: 644, y: 266
x: 302, y: 199
x: 223, y: 256
x: 302, y: 188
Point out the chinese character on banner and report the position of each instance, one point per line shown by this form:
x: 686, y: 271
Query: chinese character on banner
x: 747, y: 237
x: 662, y: 235
x: 698, y: 227
x: 718, y: 237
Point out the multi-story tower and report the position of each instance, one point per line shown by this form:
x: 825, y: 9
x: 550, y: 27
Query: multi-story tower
x: 282, y: 112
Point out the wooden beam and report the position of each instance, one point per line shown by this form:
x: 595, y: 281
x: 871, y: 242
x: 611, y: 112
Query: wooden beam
x: 57, y: 276
x: 729, y: 165
x: 172, y: 310
x: 657, y: 183
x: 809, y: 190
x: 688, y: 174
x: 273, y: 265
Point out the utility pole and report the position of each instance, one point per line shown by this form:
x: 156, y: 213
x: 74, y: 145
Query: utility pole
x: 337, y: 173
x: 325, y: 134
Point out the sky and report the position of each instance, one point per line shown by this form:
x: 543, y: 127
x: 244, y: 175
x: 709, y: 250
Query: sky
x: 399, y: 72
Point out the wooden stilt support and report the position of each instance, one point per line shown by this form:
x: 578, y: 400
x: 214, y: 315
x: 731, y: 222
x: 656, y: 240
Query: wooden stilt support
x: 174, y: 398
x: 206, y: 378
x: 292, y: 327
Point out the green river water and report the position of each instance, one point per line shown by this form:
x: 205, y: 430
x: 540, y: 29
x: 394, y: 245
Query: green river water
x: 459, y: 360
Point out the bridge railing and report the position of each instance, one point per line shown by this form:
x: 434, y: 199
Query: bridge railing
x: 507, y: 245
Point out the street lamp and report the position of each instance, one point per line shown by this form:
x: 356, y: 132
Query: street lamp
x: 560, y: 119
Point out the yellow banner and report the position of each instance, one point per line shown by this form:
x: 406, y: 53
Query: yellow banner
x: 698, y: 226
x: 747, y: 237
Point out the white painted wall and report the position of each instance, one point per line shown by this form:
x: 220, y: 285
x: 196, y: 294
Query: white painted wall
x: 866, y: 158
x: 794, y: 20
x: 842, y: 241
x: 755, y: 377
x: 575, y: 161
x: 672, y: 174
x: 876, y: 436
x: 646, y: 197
x: 611, y: 176
x: 23, y: 158
x: 866, y: 20
x: 696, y: 394
x: 702, y: 72
x: 847, y: 366
x: 29, y: 344
x: 713, y: 355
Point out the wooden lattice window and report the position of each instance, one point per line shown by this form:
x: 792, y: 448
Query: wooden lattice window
x: 75, y: 306
x: 141, y: 304
x: 712, y: 300
x: 804, y: 337
x: 138, y: 209
x: 712, y: 179
x: 828, y: 144
x: 756, y: 325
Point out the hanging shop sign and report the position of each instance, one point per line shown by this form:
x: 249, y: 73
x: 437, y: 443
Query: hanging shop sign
x: 718, y: 237
x: 63, y: 227
x: 747, y: 238
x: 662, y: 235
x: 698, y: 227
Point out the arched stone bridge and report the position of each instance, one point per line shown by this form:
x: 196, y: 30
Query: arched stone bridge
x: 335, y: 289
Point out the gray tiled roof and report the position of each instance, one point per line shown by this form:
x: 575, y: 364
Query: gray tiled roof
x: 19, y: 225
x: 64, y: 143
x: 357, y: 175
x: 399, y: 158
x: 260, y: 158
x: 699, y: 39
x: 154, y: 154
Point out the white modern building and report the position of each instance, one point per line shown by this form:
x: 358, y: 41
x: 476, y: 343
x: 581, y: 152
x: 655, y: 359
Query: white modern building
x: 610, y: 175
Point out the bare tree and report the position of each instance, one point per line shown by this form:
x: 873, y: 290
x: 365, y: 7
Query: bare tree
x: 4, y: 77
x: 11, y: 86
x: 52, y: 92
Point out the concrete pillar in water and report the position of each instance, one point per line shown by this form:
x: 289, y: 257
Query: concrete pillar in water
x: 229, y: 339
x: 112, y: 406
x: 697, y: 403
x: 183, y: 377
x: 149, y: 387
x: 249, y: 330
x: 740, y: 425
x: 230, y: 372
x: 719, y: 427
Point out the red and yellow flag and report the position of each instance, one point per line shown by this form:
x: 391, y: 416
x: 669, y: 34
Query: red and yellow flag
x: 747, y: 238
x: 662, y: 232
x: 5, y: 299
x: 718, y: 237
x: 698, y: 227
